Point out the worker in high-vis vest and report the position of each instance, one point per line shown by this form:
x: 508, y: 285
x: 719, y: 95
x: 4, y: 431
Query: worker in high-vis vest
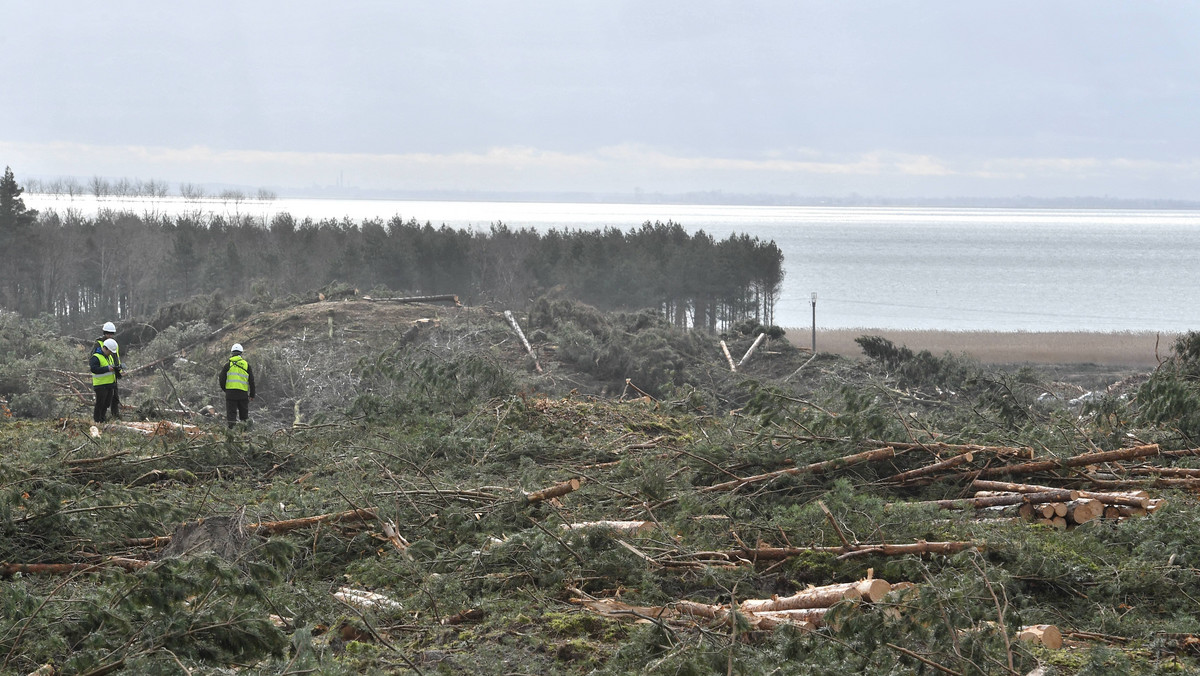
x: 103, y: 365
x: 237, y: 380
x: 109, y: 330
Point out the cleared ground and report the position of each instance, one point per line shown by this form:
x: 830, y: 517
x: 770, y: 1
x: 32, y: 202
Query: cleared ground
x: 1127, y: 349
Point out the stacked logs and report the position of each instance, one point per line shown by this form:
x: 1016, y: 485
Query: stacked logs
x: 1038, y: 504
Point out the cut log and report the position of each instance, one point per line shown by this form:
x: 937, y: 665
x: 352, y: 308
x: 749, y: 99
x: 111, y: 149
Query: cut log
x: 1165, y: 471
x: 1132, y: 499
x: 554, y: 491
x: 443, y: 298
x: 1056, y: 495
x: 939, y: 448
x: 366, y: 599
x: 728, y: 357
x: 754, y: 346
x: 1126, y: 512
x: 813, y: 597
x: 1075, y: 461
x: 1060, y: 508
x: 1042, y: 634
x: 934, y: 468
x: 521, y: 334
x: 10, y: 569
x: 814, y: 468
x: 812, y: 616
x: 1084, y: 510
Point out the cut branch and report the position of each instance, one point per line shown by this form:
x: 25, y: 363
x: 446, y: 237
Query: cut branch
x: 815, y: 468
x: 554, y: 491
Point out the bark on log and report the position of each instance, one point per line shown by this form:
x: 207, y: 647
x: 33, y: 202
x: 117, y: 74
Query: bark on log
x: 443, y: 298
x: 754, y: 346
x: 10, y: 569
x: 932, y: 469
x: 1084, y: 510
x: 1161, y: 482
x: 814, y: 468
x: 1044, y: 634
x: 704, y: 610
x: 1107, y: 498
x: 276, y: 527
x: 728, y: 357
x: 813, y: 597
x: 810, y: 616
x: 1076, y: 461
x: 939, y: 448
x: 554, y: 491
x: 1056, y: 495
x: 1165, y: 471
x: 521, y: 334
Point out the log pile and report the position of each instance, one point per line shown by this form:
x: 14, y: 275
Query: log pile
x: 1036, y: 503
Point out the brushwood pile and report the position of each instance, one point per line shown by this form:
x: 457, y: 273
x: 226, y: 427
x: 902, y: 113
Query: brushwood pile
x: 419, y: 492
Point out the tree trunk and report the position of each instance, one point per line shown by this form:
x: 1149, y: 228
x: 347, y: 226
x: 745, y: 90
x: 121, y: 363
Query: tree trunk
x: 1107, y: 498
x: 1076, y: 461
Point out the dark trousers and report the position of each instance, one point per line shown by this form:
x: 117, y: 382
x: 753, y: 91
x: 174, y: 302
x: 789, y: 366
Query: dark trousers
x: 237, y: 408
x: 104, y: 401
x: 116, y: 402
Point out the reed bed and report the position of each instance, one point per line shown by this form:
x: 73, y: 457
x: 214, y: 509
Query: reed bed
x: 1125, y: 348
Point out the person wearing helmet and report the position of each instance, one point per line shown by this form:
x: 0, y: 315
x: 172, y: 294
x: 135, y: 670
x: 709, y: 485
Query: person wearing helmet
x: 237, y: 380
x: 104, y: 377
x: 110, y: 333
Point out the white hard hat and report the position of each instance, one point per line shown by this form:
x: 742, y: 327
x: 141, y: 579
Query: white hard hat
x: 109, y: 327
x: 111, y: 345
x: 237, y: 347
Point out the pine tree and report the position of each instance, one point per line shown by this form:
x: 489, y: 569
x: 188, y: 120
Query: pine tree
x: 13, y: 213
x: 16, y: 236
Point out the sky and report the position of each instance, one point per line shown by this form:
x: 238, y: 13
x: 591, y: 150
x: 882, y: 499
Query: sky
x: 928, y: 99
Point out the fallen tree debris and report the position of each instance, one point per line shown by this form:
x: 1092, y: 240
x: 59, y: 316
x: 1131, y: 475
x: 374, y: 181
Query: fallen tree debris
x: 1042, y: 634
x: 815, y: 468
x: 557, y: 490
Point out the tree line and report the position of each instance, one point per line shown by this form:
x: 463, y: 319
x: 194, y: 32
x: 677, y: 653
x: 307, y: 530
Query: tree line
x: 100, y: 188
x: 122, y: 265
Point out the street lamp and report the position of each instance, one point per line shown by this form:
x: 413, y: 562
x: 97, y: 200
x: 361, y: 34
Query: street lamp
x: 814, y: 327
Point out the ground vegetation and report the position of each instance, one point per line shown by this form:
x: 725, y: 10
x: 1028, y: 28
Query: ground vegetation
x: 418, y: 493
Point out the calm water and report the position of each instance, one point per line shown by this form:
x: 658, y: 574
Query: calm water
x: 901, y: 268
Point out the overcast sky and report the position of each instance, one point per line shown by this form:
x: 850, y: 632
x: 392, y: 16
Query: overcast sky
x: 926, y: 98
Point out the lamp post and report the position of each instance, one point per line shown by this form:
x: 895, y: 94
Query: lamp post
x: 814, y: 326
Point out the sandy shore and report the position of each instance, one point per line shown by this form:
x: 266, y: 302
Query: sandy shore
x: 1133, y: 349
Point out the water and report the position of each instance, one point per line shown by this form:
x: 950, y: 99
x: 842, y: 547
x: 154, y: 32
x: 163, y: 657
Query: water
x: 897, y: 268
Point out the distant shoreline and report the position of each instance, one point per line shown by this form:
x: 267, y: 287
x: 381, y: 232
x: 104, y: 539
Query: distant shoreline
x: 1140, y: 349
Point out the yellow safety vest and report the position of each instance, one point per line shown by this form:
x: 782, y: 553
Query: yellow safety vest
x: 106, y: 378
x: 238, y: 375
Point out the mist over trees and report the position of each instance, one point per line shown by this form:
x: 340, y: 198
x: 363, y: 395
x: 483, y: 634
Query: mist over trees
x: 122, y: 265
